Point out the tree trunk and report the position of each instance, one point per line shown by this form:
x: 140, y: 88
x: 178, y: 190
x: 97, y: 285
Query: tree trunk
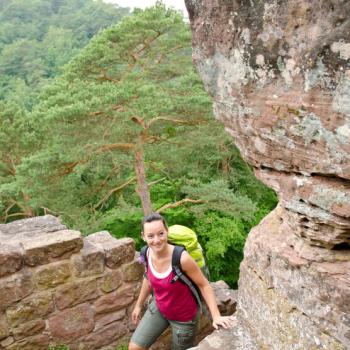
x: 142, y: 186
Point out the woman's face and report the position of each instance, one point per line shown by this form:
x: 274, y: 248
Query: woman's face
x: 155, y: 234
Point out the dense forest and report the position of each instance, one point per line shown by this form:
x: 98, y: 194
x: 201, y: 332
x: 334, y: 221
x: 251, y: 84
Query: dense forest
x: 98, y: 124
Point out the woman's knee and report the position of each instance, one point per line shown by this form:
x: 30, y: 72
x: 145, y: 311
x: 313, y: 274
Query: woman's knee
x: 133, y: 346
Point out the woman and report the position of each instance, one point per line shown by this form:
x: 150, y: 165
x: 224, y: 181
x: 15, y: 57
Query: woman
x: 173, y: 303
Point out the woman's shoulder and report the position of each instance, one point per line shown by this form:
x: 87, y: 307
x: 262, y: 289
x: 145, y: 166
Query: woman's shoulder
x: 186, y: 259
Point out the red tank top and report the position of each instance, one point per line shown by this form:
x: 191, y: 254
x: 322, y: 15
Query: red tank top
x: 175, y: 301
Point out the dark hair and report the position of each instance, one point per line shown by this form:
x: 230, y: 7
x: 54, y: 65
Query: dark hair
x: 153, y: 217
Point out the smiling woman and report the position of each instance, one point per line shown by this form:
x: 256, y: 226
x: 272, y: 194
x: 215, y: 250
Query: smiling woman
x: 173, y: 303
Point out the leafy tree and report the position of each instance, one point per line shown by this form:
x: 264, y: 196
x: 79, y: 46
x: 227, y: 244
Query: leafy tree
x: 15, y: 143
x: 38, y: 37
x: 123, y: 92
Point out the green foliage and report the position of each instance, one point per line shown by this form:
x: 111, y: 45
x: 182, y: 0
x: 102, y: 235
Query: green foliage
x: 223, y: 239
x: 38, y: 37
x: 58, y: 347
x: 122, y: 347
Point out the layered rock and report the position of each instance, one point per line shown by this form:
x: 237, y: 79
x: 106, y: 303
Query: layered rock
x: 279, y: 75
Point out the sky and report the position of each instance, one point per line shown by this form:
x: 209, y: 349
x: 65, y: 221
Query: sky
x: 178, y: 4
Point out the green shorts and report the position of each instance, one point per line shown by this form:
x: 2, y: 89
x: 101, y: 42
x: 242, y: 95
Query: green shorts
x: 153, y: 324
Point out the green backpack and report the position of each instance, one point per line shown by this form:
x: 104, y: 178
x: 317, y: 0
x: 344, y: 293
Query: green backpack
x: 184, y: 236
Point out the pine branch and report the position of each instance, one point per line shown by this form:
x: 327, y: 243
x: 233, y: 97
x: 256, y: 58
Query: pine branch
x: 177, y: 204
x: 164, y: 54
x: 47, y: 210
x: 105, y: 180
x: 156, y: 181
x: 18, y: 214
x: 104, y: 199
x: 7, y: 211
x: 69, y: 167
x: 114, y: 146
x: 172, y: 120
x: 11, y: 166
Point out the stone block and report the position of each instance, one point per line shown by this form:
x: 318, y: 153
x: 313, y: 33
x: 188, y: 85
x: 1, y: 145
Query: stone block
x: 27, y: 329
x: 106, y: 335
x: 226, y: 298
x: 28, y: 228
x: 117, y: 251
x: 4, y: 329
x: 11, y: 258
x: 49, y: 247
x: 111, y: 280
x: 37, y: 342
x: 133, y: 271
x: 105, y: 319
x: 116, y: 300
x: 6, y: 342
x: 15, y: 287
x: 31, y: 308
x: 90, y: 260
x: 76, y: 293
x: 236, y: 337
x: 52, y: 275
x: 71, y: 324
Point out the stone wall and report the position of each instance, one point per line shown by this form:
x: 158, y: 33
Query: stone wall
x: 57, y: 287
x: 279, y: 75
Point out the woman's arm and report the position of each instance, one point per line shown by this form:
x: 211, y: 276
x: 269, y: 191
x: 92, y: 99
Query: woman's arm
x: 144, y: 293
x: 192, y: 270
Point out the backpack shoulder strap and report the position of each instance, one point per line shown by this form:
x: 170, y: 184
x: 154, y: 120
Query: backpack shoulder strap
x: 143, y: 256
x: 175, y: 260
x: 179, y: 274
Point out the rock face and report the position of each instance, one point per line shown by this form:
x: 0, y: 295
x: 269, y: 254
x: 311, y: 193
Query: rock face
x: 279, y: 76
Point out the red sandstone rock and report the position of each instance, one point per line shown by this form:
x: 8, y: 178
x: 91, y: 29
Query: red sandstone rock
x: 75, y: 293
x: 89, y: 261
x: 37, y: 342
x: 116, y: 251
x: 51, y: 246
x: 53, y: 274
x: 15, y: 287
x: 71, y: 324
x: 4, y: 329
x: 111, y: 280
x: 133, y: 271
x: 116, y: 300
x: 105, y: 319
x: 105, y: 335
x: 11, y: 258
x: 31, y: 308
x: 28, y: 329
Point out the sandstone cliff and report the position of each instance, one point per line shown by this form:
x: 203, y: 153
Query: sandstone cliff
x: 279, y: 75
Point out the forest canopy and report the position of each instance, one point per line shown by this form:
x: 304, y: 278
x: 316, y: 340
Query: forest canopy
x: 124, y: 128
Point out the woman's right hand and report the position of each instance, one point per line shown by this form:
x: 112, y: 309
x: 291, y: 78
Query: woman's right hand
x: 136, y: 315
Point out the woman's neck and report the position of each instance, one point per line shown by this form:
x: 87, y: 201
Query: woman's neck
x: 163, y: 253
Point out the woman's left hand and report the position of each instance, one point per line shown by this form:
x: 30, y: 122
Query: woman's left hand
x: 223, y: 321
